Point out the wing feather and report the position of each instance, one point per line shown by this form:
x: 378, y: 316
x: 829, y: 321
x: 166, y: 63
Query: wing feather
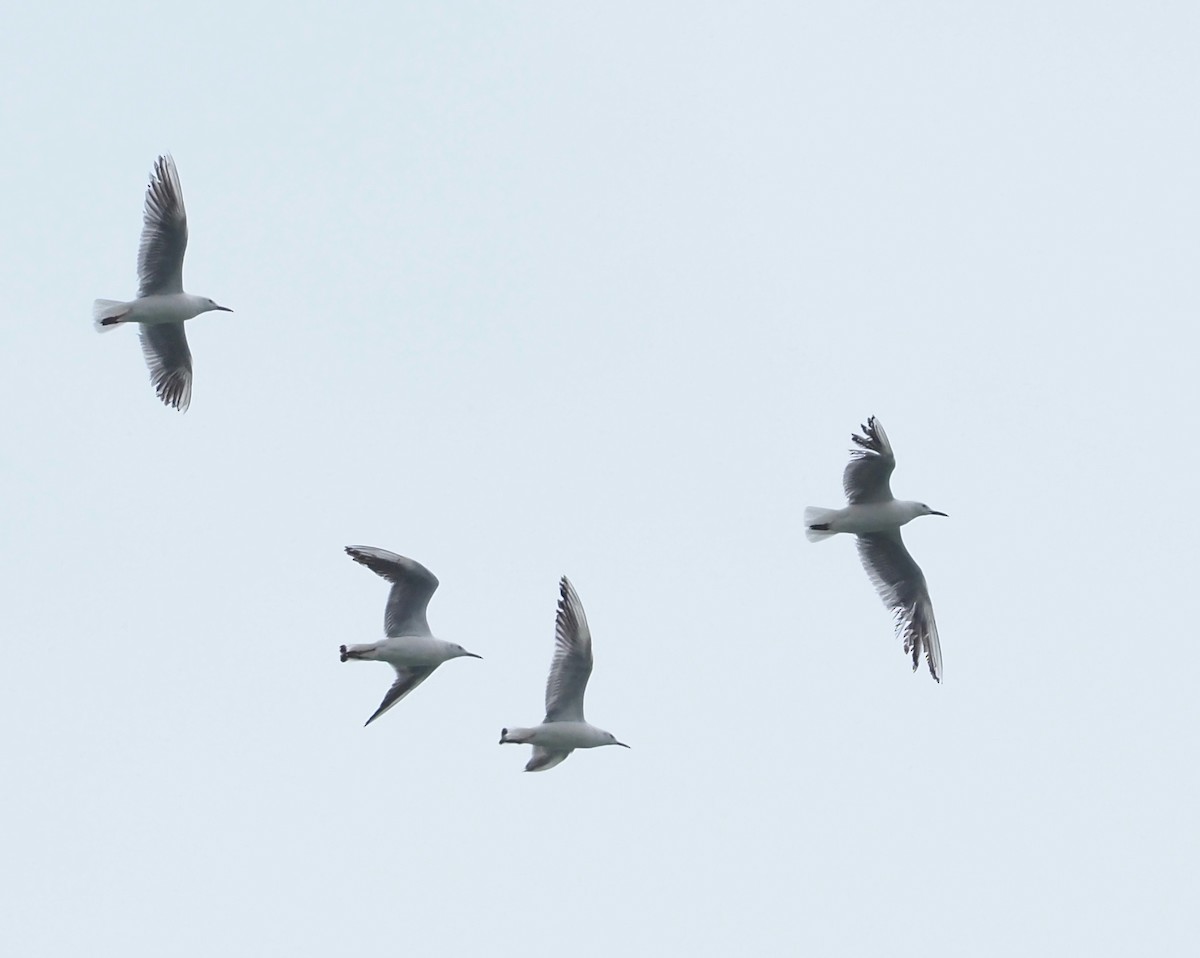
x: 407, y: 679
x: 164, y: 232
x: 901, y: 584
x: 544, y: 758
x: 572, y: 663
x: 867, y: 477
x: 412, y: 587
x: 165, y: 348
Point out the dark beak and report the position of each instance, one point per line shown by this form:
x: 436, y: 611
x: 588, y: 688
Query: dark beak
x: 622, y: 744
x: 934, y: 512
x: 224, y: 309
x: 472, y: 655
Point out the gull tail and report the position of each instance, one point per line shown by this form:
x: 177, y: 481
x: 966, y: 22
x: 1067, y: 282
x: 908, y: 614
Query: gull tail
x: 109, y: 314
x: 365, y: 652
x: 817, y: 522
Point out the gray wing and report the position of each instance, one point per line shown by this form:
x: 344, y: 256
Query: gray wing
x: 412, y: 587
x: 164, y: 232
x: 165, y: 347
x: 572, y: 663
x: 544, y: 758
x: 407, y: 679
x: 901, y: 584
x: 868, y: 474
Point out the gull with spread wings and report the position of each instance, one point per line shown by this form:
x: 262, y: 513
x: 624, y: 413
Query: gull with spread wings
x: 409, y: 648
x: 161, y: 306
x: 876, y: 517
x: 564, y: 728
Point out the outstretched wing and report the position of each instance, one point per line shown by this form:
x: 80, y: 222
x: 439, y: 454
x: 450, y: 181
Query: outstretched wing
x: 164, y: 232
x: 901, y: 584
x: 412, y: 587
x: 868, y: 474
x: 572, y: 663
x: 165, y: 348
x: 407, y: 679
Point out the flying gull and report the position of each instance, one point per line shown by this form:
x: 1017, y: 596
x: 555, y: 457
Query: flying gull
x: 875, y: 517
x: 161, y: 306
x: 564, y: 728
x: 409, y: 648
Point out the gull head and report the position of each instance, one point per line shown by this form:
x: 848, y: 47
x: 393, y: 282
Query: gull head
x: 207, y: 306
x: 457, y: 652
x: 904, y: 512
x: 609, y: 739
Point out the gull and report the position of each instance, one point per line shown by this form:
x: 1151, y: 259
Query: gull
x: 564, y: 729
x: 161, y: 306
x: 875, y: 517
x: 409, y: 648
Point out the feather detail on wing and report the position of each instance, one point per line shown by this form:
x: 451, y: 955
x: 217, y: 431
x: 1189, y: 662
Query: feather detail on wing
x: 867, y: 477
x: 165, y: 348
x: 164, y: 232
x: 901, y: 584
x: 572, y: 663
x: 412, y: 587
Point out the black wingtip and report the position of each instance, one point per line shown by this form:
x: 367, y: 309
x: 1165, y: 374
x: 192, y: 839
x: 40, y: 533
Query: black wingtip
x: 869, y: 437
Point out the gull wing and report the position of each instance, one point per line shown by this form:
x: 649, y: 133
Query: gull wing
x: 407, y: 679
x: 544, y: 758
x: 164, y: 232
x: 165, y: 347
x: 572, y: 663
x: 412, y: 587
x: 868, y: 474
x: 901, y: 584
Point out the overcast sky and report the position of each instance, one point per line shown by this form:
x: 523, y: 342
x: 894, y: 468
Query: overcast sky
x: 526, y: 289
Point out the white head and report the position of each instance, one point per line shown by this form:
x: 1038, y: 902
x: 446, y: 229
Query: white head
x: 457, y: 652
x: 607, y: 738
x: 914, y: 509
x: 207, y: 306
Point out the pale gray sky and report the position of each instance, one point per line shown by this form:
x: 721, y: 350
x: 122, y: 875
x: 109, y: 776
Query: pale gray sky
x: 526, y: 289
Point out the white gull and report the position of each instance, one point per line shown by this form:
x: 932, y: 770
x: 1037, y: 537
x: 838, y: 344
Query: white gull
x: 409, y: 648
x: 161, y: 306
x: 564, y: 728
x: 876, y: 517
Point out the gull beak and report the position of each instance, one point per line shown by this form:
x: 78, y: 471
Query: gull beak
x: 223, y: 309
x: 622, y: 744
x: 472, y: 655
x: 934, y: 512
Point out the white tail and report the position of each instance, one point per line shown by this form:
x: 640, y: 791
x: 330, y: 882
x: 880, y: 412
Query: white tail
x: 108, y: 314
x: 816, y: 516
